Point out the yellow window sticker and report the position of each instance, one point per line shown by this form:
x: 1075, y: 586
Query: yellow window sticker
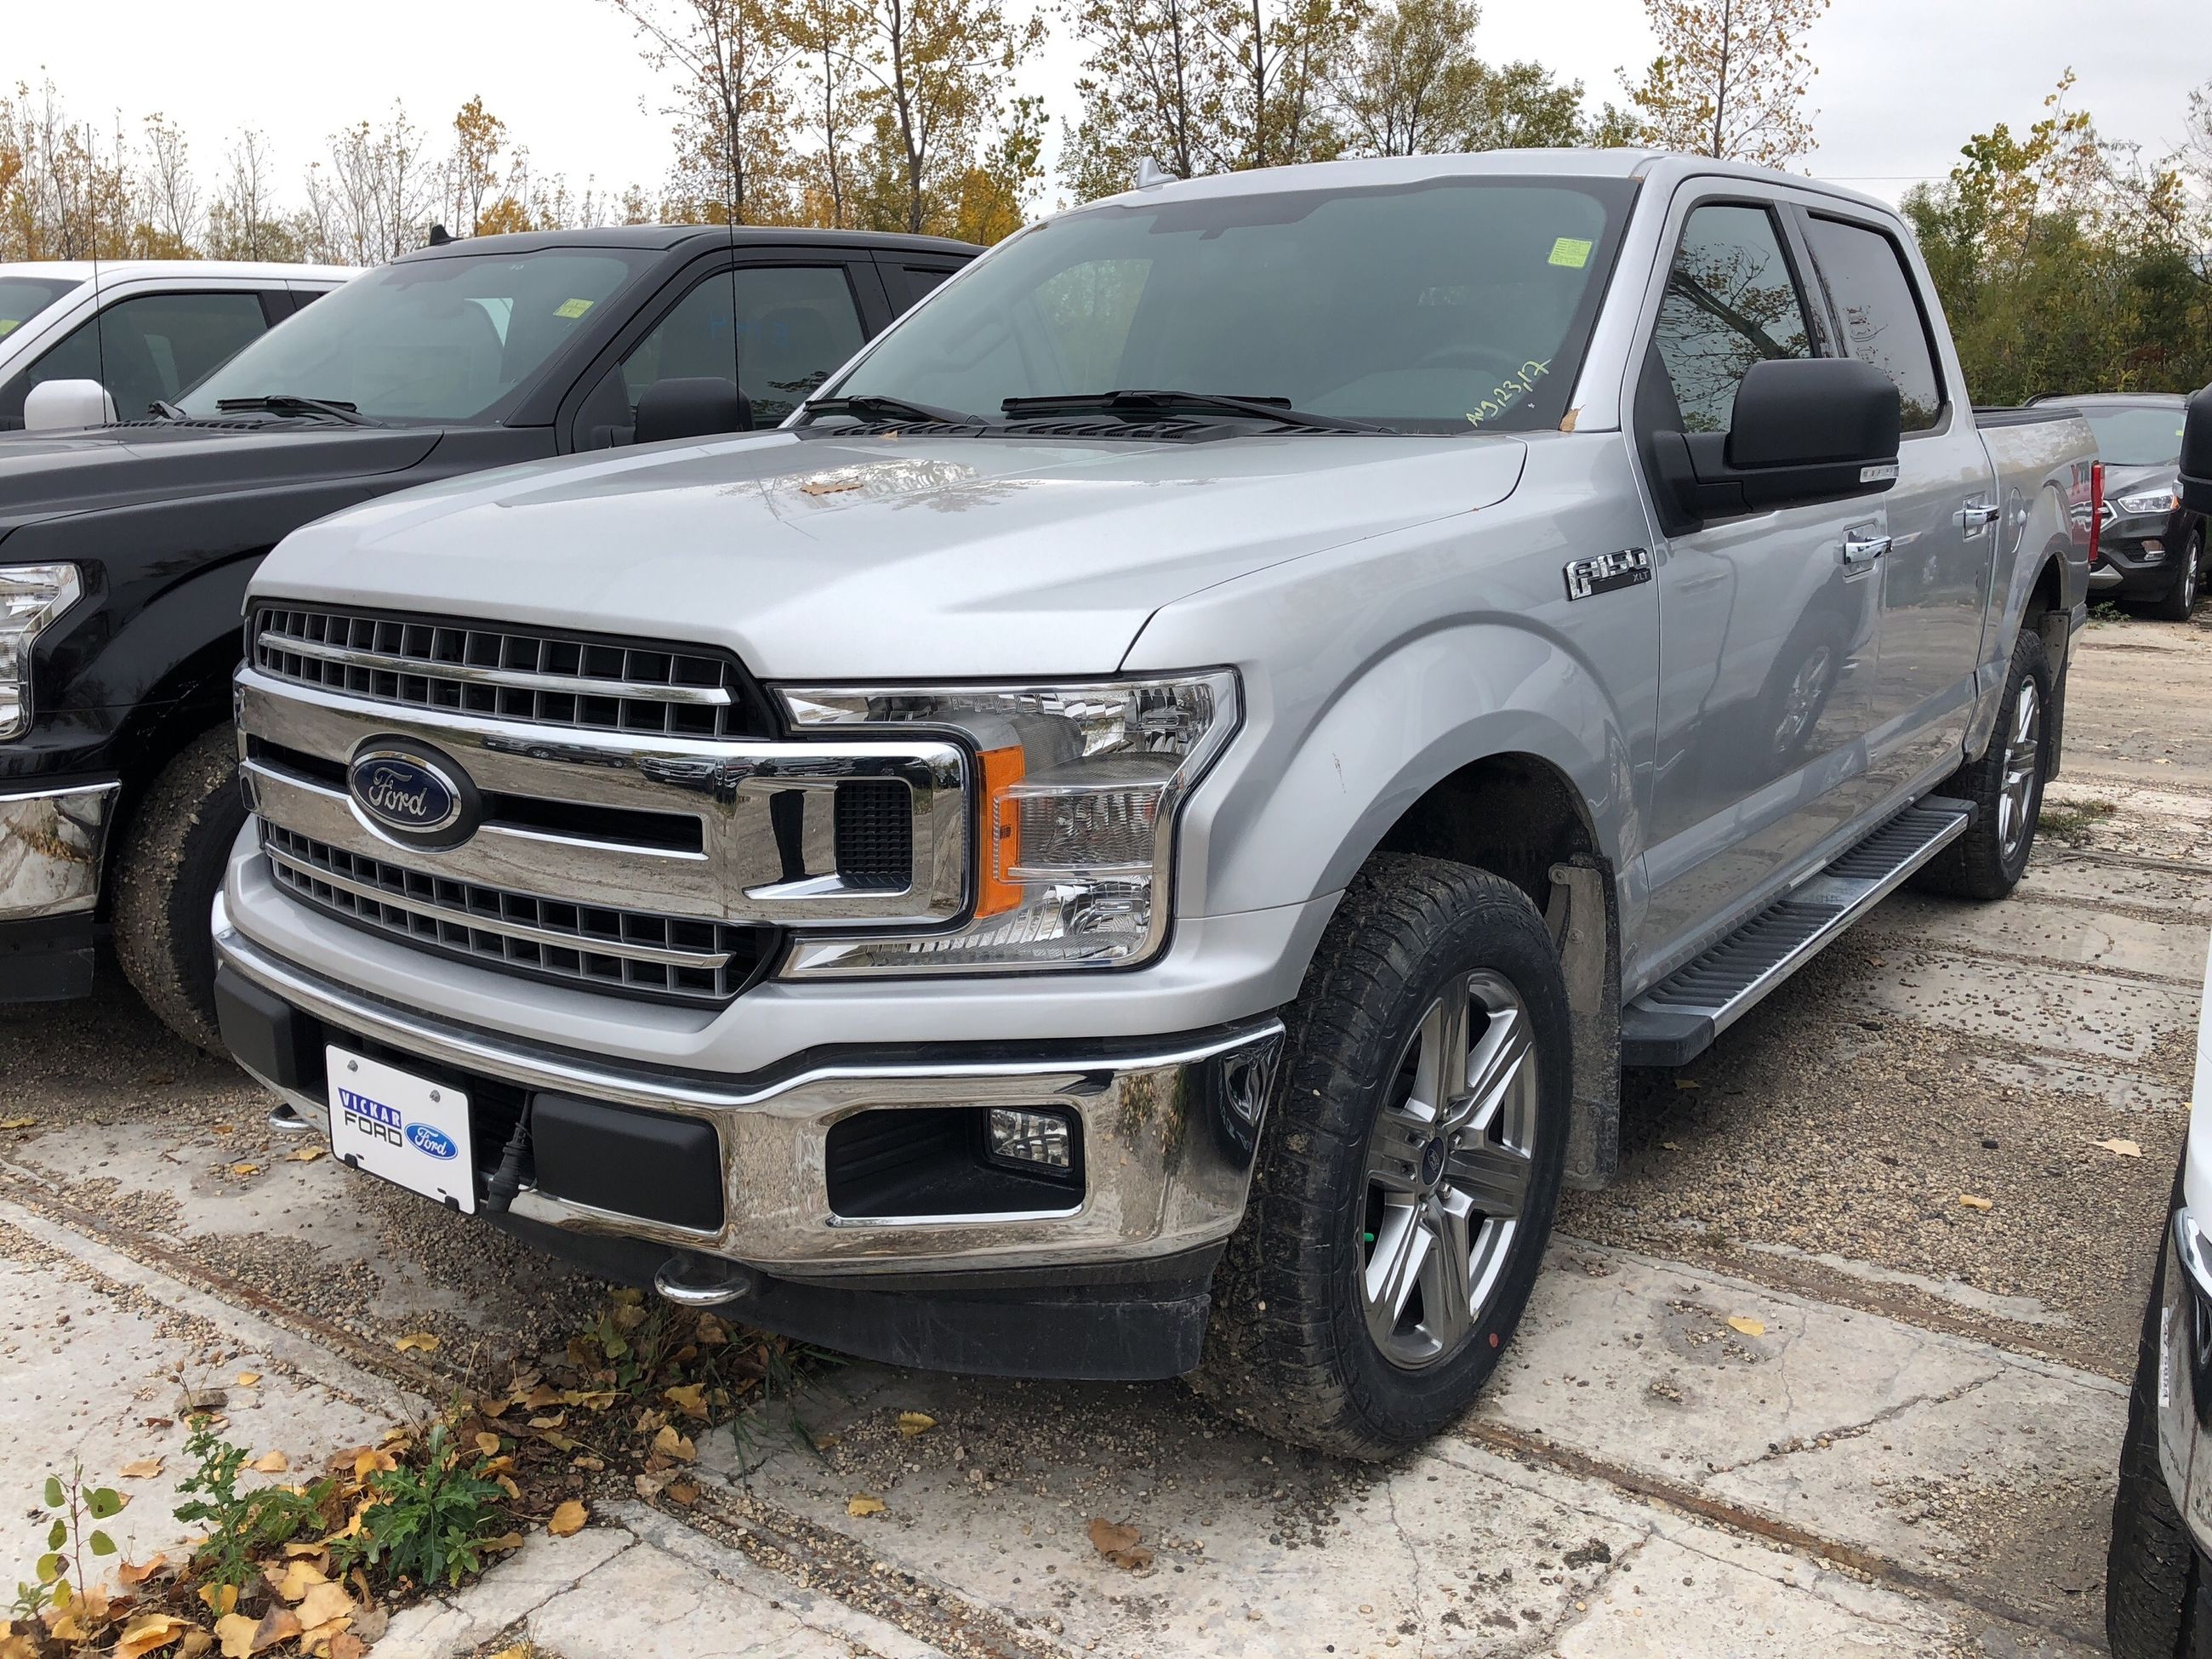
x: 572, y: 307
x: 8, y: 324
x: 1572, y: 251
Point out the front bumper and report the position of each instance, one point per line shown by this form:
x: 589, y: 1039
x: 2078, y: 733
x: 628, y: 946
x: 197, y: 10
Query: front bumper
x: 54, y: 844
x: 2185, y: 1375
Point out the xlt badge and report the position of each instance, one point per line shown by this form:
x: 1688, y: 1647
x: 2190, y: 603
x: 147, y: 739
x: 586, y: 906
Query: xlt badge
x: 1625, y: 568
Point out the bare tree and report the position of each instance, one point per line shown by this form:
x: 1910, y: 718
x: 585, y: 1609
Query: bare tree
x: 732, y: 56
x: 170, y: 193
x: 1730, y: 78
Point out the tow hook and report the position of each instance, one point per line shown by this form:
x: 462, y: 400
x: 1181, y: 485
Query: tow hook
x: 699, y: 1281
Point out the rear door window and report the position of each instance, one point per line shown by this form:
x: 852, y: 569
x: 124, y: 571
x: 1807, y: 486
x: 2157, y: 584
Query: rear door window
x: 1864, y: 275
x: 1730, y: 301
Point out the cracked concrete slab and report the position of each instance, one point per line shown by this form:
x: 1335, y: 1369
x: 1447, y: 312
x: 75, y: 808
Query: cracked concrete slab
x: 2036, y: 1007
x: 2071, y: 935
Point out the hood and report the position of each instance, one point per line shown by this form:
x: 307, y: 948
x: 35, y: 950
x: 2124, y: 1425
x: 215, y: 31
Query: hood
x: 45, y: 475
x: 2128, y: 480
x: 840, y: 557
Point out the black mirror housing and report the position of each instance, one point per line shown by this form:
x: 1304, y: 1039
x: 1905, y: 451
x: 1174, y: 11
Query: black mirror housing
x: 2197, y: 454
x: 1804, y: 429
x: 698, y: 406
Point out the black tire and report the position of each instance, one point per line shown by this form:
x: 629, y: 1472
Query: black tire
x: 166, y: 877
x: 1288, y: 1350
x: 2150, y: 1568
x: 1988, y: 861
x: 2181, y: 599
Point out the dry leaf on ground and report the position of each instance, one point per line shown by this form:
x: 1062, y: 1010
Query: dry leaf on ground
x: 417, y: 1342
x: 1974, y: 1203
x: 245, y: 1169
x: 130, y: 1575
x: 322, y: 1604
x: 488, y: 1444
x: 304, y: 1154
x: 2120, y: 1147
x: 242, y: 1637
x: 144, y: 1469
x: 148, y: 1632
x: 1118, y: 1544
x: 19, y: 1123
x: 567, y: 1519
x: 669, y: 1443
x: 914, y: 1423
x: 247, y: 1379
x: 1743, y: 1325
x: 275, y: 1463
x: 861, y: 1502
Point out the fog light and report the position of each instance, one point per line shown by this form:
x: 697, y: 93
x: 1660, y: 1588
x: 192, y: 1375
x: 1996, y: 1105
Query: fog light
x: 1036, y: 1141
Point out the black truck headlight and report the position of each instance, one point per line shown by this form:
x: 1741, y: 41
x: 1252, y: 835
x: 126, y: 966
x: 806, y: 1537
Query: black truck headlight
x: 31, y: 596
x: 1078, y: 787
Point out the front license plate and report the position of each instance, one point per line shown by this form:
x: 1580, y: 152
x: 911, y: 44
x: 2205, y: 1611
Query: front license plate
x: 404, y: 1128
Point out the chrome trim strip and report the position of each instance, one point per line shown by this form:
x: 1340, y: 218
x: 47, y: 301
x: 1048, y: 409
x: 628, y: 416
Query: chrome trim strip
x: 1160, y: 1179
x: 517, y: 680
x: 477, y: 922
x: 52, y: 845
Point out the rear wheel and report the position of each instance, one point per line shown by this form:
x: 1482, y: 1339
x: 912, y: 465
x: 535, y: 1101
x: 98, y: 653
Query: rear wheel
x: 1408, y: 1172
x: 2005, y: 784
x: 166, y: 877
x: 2181, y: 599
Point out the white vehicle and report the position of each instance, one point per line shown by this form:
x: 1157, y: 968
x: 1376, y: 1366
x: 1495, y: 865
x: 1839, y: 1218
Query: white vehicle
x: 143, y: 330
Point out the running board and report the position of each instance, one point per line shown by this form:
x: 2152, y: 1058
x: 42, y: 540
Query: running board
x: 1677, y: 1020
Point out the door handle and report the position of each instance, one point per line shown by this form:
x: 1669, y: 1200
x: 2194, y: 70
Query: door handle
x: 1861, y: 548
x: 1975, y: 517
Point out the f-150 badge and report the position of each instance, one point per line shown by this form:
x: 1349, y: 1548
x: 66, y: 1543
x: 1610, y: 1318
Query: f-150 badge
x: 1625, y: 568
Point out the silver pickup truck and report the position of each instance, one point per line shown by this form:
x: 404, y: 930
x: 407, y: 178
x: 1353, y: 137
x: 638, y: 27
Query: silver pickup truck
x: 1135, y: 834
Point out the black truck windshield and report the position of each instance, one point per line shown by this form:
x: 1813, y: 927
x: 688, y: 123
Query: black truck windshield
x: 1436, y: 306
x: 443, y: 339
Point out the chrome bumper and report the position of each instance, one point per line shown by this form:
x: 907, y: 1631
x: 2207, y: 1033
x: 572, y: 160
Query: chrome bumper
x: 1166, y: 1163
x: 53, y: 843
x: 2185, y: 1373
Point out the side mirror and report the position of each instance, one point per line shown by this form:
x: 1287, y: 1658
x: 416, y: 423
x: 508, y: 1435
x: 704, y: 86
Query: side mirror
x: 55, y: 403
x: 700, y: 406
x: 1804, y: 429
x: 2197, y: 454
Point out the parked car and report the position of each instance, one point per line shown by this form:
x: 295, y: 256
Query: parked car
x: 145, y: 330
x: 1139, y: 830
x: 2158, y: 1579
x: 2151, y: 548
x: 125, y: 551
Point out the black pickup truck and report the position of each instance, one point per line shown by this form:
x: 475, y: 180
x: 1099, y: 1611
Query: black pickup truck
x: 126, y: 549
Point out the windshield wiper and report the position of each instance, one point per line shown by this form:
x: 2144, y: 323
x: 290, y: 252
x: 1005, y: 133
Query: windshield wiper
x: 287, y: 402
x: 869, y: 406
x: 1143, y: 405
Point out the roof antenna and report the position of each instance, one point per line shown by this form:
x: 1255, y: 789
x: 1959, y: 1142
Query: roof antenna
x: 99, y: 311
x: 1149, y: 174
x: 439, y: 236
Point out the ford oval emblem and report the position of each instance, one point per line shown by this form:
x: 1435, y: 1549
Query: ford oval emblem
x: 435, y: 1142
x: 404, y: 792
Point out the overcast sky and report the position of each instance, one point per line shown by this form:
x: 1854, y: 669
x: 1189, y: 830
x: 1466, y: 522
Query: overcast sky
x: 1902, y: 83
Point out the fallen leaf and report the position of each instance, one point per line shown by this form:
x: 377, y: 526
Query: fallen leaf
x: 132, y: 1574
x: 323, y: 1603
x: 690, y: 1399
x: 567, y: 1519
x: 148, y: 1632
x: 242, y: 1637
x: 247, y: 1379
x: 684, y: 1492
x: 144, y: 1469
x: 669, y: 1443
x: 19, y: 1123
x: 346, y: 1645
x: 417, y: 1342
x: 2119, y: 1147
x: 860, y: 1503
x: 556, y: 1419
x: 304, y: 1154
x: 373, y: 1461
x: 595, y: 1465
x: 1118, y: 1544
x: 488, y: 1444
x: 245, y: 1169
x: 275, y: 1463
x: 1743, y: 1326
x: 504, y: 1543
x: 648, y: 1486
x: 219, y: 1599
x: 1686, y: 1082
x: 299, y: 1577
x: 1974, y: 1203
x: 914, y: 1423
x: 63, y: 1626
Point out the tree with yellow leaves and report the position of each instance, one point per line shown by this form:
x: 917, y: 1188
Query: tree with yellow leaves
x: 1730, y: 79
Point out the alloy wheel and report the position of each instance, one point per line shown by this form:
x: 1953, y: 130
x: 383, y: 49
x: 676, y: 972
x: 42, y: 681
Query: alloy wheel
x: 2023, y: 761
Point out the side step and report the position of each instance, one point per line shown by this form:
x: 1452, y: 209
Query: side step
x: 1677, y: 1020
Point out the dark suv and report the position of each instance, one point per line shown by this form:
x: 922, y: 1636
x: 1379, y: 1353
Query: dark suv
x: 2151, y: 550
x: 126, y: 549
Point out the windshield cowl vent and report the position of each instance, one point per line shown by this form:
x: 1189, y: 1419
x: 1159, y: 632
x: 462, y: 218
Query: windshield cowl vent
x: 1086, y: 430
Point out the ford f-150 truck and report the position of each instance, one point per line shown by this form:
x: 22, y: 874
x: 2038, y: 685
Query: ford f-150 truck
x: 1136, y: 833
x: 124, y: 549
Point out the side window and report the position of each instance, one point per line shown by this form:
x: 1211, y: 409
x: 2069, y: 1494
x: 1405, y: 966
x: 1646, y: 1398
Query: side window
x: 920, y: 280
x: 782, y: 328
x: 1730, y: 301
x: 1867, y: 283
x: 155, y: 346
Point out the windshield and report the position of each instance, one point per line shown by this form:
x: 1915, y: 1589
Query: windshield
x: 2142, y: 435
x: 1437, y: 306
x: 23, y: 298
x: 444, y: 339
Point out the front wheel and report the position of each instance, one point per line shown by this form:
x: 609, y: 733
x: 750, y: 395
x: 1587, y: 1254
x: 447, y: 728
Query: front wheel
x: 1409, y: 1169
x: 167, y: 874
x: 2005, y: 784
x: 2181, y: 599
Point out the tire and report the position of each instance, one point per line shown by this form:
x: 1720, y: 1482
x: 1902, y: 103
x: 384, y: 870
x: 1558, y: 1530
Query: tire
x: 166, y: 877
x: 1293, y: 1349
x: 2181, y: 597
x: 1988, y: 861
x: 2150, y: 1569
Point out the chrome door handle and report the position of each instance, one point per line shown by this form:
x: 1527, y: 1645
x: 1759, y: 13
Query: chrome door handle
x: 1860, y: 548
x: 1978, y: 516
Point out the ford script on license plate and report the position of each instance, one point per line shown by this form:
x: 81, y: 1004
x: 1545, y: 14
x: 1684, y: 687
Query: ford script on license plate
x: 404, y: 1128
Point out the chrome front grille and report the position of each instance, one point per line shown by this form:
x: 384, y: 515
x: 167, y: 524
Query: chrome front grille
x: 574, y: 680
x: 666, y: 957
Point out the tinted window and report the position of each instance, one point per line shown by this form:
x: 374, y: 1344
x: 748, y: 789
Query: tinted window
x: 781, y: 329
x: 23, y: 298
x: 1435, y: 308
x: 153, y: 347
x: 439, y: 339
x: 1729, y: 303
x: 920, y: 279
x: 2141, y: 435
x: 1864, y: 275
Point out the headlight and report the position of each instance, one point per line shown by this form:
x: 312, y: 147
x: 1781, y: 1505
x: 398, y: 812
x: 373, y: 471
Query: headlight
x: 31, y: 596
x: 1078, y: 787
x: 2162, y: 500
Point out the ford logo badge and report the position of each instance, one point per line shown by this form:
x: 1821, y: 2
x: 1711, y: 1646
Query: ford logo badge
x: 404, y: 792
x: 436, y: 1142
